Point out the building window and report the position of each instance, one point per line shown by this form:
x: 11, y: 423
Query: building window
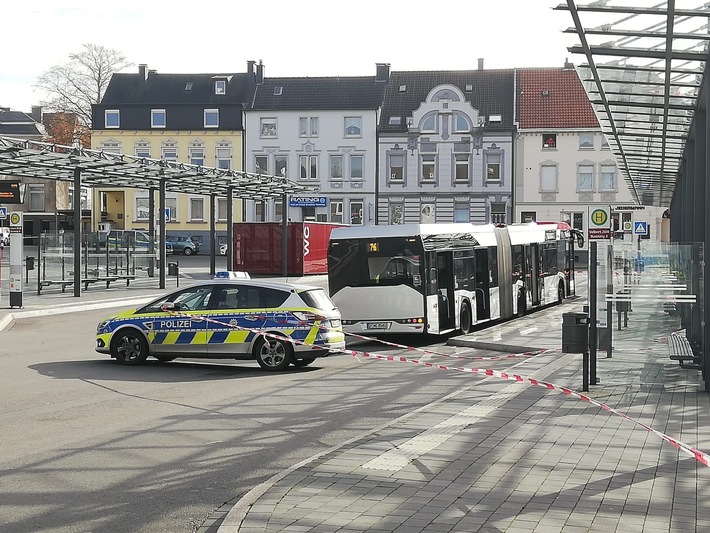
x: 211, y: 118
x: 142, y: 149
x: 221, y: 209
x: 586, y: 141
x: 549, y: 140
x: 157, y: 118
x: 356, y: 167
x: 428, y: 214
x: 111, y: 147
x: 396, y: 170
x: 461, y: 124
x: 461, y: 168
x: 395, y: 121
x: 548, y: 178
x: 336, y: 211
x: 171, y: 206
x: 336, y: 167
x: 577, y: 221
x: 36, y: 196
x: 268, y: 127
x: 493, y: 167
x: 308, y: 126
x: 356, y: 212
x: 142, y: 209
x: 261, y: 164
x: 197, y: 209
x: 223, y: 157
x: 278, y: 210
x: 397, y: 213
x: 461, y: 212
x: 429, y: 124
x: 197, y: 155
x: 169, y: 153
x: 498, y: 213
x: 585, y: 178
x: 428, y: 167
x: 112, y: 118
x: 353, y: 126
x: 528, y: 216
x: 309, y: 167
x: 220, y: 86
x: 281, y: 166
x: 260, y: 210
x: 605, y: 143
x: 607, y: 181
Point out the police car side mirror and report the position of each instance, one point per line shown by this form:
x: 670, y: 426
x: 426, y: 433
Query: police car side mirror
x: 170, y: 306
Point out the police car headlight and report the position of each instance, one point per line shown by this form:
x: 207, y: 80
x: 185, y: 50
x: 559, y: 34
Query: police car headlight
x: 102, y: 325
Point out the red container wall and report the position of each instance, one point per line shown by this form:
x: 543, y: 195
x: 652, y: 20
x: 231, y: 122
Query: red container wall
x: 257, y: 247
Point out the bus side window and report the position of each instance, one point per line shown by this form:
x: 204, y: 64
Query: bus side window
x: 433, y: 274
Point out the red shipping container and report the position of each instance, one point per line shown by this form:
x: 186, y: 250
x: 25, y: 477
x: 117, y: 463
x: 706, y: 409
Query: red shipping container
x: 258, y: 247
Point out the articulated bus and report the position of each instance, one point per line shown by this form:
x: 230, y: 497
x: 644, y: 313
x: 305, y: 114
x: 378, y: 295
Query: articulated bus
x: 438, y: 278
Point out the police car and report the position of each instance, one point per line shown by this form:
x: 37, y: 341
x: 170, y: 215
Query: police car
x: 278, y: 324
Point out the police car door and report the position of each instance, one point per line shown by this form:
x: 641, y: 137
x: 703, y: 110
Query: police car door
x: 182, y: 330
x: 236, y: 312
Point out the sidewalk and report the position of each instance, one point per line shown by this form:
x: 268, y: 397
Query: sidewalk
x: 506, y: 456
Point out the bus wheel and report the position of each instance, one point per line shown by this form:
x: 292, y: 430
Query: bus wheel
x: 466, y: 318
x: 560, y: 293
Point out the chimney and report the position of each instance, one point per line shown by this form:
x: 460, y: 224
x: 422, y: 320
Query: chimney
x: 142, y: 71
x: 36, y: 113
x: 480, y: 63
x: 260, y: 73
x: 383, y: 73
x: 250, y: 68
x: 568, y: 65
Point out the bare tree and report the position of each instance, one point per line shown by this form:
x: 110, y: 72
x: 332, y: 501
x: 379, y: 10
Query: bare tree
x: 73, y: 86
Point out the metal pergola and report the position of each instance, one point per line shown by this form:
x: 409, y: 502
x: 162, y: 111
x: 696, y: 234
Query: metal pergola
x: 93, y: 168
x: 643, y: 67
x: 646, y: 73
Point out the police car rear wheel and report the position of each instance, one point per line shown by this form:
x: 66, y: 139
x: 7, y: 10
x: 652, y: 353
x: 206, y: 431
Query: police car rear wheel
x: 129, y: 347
x: 273, y: 354
x: 303, y: 362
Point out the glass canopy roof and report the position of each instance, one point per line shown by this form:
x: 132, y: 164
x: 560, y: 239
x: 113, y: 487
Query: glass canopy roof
x: 642, y: 67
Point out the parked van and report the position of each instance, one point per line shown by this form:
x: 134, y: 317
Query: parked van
x: 134, y: 240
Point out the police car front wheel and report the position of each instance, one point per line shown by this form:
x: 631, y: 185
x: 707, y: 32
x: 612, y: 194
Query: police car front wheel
x: 129, y: 347
x: 273, y: 354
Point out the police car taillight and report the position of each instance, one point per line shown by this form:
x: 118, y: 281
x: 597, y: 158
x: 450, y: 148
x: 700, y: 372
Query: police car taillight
x: 305, y: 316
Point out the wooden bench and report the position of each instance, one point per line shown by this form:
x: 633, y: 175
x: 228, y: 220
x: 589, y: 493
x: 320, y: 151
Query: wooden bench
x: 679, y: 349
x: 64, y: 283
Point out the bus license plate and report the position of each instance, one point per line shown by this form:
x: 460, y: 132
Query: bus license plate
x: 378, y: 325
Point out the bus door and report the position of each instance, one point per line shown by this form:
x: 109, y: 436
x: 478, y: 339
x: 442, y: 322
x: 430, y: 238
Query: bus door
x: 445, y: 285
x: 483, y: 294
x: 532, y: 272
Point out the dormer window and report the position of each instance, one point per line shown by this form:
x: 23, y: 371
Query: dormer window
x: 220, y: 86
x: 278, y: 91
x: 395, y: 121
x: 157, y: 118
x: 112, y: 118
x: 188, y: 86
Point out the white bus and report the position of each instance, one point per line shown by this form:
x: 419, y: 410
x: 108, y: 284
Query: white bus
x: 437, y: 278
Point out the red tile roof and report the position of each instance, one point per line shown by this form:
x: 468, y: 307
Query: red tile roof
x: 565, y: 106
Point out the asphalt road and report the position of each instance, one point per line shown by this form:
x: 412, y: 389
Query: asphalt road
x: 90, y: 445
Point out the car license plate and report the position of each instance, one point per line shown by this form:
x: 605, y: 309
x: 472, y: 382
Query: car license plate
x: 378, y: 325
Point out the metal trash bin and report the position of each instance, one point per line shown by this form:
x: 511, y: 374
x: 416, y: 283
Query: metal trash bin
x: 29, y: 262
x: 575, y: 332
x: 173, y: 269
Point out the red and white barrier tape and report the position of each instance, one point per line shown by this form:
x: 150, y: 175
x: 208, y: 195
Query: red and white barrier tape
x: 699, y: 456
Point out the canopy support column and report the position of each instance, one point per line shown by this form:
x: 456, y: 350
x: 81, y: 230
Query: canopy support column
x: 77, y: 232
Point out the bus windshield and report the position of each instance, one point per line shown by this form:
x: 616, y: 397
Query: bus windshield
x: 384, y: 261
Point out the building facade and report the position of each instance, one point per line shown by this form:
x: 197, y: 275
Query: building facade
x: 446, y: 147
x: 320, y: 132
x: 563, y: 165
x: 192, y: 118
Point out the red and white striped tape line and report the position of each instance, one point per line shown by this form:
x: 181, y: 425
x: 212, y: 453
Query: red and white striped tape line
x: 699, y: 456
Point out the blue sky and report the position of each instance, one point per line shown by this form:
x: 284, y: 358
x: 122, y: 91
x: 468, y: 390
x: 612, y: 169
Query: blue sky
x: 313, y: 38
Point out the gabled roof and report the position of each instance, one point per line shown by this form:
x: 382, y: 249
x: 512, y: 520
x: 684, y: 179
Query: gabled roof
x: 167, y: 89
x: 19, y: 124
x: 553, y: 98
x: 359, y: 92
x: 491, y: 93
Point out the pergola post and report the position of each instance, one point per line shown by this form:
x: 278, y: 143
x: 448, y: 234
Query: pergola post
x: 151, y: 232
x: 161, y: 224
x: 214, y: 244
x: 230, y: 228
x: 77, y: 231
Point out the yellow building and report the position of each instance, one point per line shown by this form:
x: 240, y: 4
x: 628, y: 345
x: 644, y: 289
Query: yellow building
x: 189, y: 118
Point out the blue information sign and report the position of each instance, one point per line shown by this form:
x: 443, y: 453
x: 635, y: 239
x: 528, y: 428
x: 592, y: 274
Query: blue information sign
x: 640, y: 227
